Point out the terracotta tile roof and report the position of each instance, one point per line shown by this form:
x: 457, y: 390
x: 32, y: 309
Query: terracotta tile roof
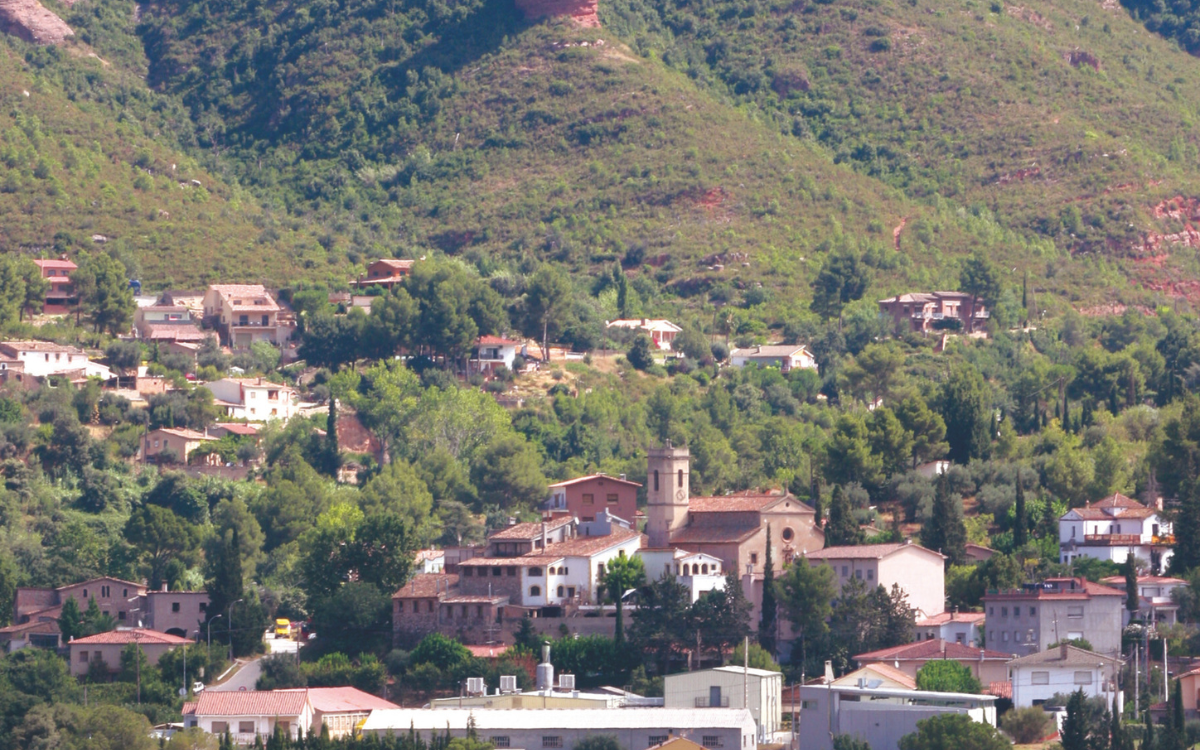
x: 55, y: 263
x: 735, y: 503
x: 778, y: 350
x: 173, y: 332
x: 426, y: 585
x: 100, y: 579
x: 1064, y: 655
x: 949, y: 617
x: 397, y: 263
x: 497, y: 341
x: 252, y: 703
x: 723, y: 534
x: 474, y: 599
x: 1000, y: 689
x: 529, y: 530
x: 33, y: 626
x: 1120, y: 580
x: 590, y: 477
x: 1113, y: 506
x: 328, y: 700
x: 865, y: 552
x: 133, y: 635
x: 189, y: 707
x: 39, y: 346
x: 237, y: 428
x: 487, y: 652
x: 430, y: 554
x: 583, y: 546
x: 934, y: 649
x: 1083, y: 589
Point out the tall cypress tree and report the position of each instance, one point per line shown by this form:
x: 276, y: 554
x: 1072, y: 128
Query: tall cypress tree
x: 945, y: 530
x: 1132, y: 602
x: 1187, y: 530
x: 1176, y: 706
x: 333, y: 453
x: 1074, y: 735
x: 817, y: 503
x: 770, y: 607
x: 1021, y: 523
x: 227, y: 583
x: 841, y: 529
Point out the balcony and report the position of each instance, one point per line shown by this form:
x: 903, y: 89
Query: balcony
x: 1112, y: 540
x: 253, y: 324
x: 707, y: 702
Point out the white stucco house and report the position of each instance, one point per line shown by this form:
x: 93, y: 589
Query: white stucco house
x: 1111, y: 528
x: 661, y: 332
x: 254, y: 399
x: 786, y: 357
x: 698, y: 572
x: 256, y: 713
x: 43, y: 358
x: 1064, y: 669
x: 1156, y: 601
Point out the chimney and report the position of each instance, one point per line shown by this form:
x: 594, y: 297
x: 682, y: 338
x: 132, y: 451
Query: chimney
x: 164, y: 587
x: 1062, y: 650
x: 545, y: 670
x: 622, y: 477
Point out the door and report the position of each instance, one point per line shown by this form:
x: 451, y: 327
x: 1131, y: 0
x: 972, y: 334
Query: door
x: 714, y: 696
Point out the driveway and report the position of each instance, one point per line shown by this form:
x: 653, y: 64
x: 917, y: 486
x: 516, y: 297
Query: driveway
x: 247, y: 676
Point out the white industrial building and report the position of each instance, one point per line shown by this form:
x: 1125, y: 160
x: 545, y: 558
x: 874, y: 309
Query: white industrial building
x: 563, y: 728
x: 879, y: 716
x: 758, y: 690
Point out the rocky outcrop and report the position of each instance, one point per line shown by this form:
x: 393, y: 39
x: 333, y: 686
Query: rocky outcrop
x: 29, y: 20
x: 582, y: 12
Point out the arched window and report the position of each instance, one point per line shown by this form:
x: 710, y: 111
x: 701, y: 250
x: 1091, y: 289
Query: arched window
x: 680, y: 485
x: 704, y: 568
x: 535, y: 590
x: 560, y: 590
x: 655, y: 488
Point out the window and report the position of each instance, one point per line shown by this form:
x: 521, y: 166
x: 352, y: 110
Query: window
x: 125, y: 593
x: 1017, y: 636
x: 535, y: 590
x: 496, y: 572
x: 121, y: 615
x: 220, y: 727
x: 754, y: 558
x: 807, y: 705
x: 1039, y: 678
x: 1083, y: 677
x: 858, y: 574
x: 535, y: 572
x: 1004, y: 611
x: 468, y: 572
x: 561, y: 590
x: 788, y: 535
x: 711, y: 740
x: 1075, y: 611
x: 429, y: 606
x: 1016, y: 611
x: 589, y: 499
x: 464, y: 611
x: 845, y: 571
x: 479, y: 610
x: 416, y: 606
x: 551, y: 741
x: 1032, y: 611
x: 245, y: 727
x: 656, y: 480
x: 1004, y: 636
x: 991, y: 611
x: 500, y: 741
x: 680, y: 479
x: 657, y: 739
x: 870, y: 575
x: 611, y: 499
x: 83, y: 656
x: 104, y: 591
x: 511, y: 570
x: 571, y: 592
x: 174, y: 606
x: 600, y: 570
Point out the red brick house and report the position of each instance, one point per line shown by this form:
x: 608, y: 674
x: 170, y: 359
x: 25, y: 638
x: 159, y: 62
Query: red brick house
x: 584, y: 497
x: 60, y: 296
x: 385, y: 272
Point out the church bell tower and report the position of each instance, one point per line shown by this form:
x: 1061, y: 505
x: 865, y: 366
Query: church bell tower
x: 667, y: 493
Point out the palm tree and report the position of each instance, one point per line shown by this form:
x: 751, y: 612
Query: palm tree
x: 622, y: 573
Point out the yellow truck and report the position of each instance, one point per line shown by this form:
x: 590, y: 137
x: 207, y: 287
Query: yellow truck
x: 283, y: 628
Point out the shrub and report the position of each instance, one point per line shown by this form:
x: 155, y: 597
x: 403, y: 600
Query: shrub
x: 1026, y: 725
x: 641, y: 354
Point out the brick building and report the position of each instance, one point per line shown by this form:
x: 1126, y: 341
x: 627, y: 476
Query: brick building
x: 584, y: 497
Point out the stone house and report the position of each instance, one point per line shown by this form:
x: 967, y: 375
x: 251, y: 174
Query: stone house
x: 172, y: 444
x: 923, y: 312
x: 107, y: 648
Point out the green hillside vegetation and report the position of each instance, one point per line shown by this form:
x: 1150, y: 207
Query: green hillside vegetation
x: 75, y: 162
x: 1066, y: 119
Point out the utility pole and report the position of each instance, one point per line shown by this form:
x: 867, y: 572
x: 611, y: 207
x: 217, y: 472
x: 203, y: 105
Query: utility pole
x: 1136, y: 679
x: 746, y: 673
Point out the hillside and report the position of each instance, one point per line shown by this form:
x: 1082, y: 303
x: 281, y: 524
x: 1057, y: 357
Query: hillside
x: 722, y: 144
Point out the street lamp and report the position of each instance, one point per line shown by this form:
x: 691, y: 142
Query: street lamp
x: 230, y: 618
x: 210, y: 622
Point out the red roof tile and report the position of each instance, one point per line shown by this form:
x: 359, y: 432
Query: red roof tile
x: 948, y: 617
x: 55, y: 263
x: 132, y: 635
x: 530, y: 530
x: 426, y: 585
x: 252, y: 703
x: 935, y: 649
x: 723, y: 534
x: 497, y: 341
x: 329, y: 700
x: 1001, y: 689
x: 590, y: 477
x: 864, y: 551
x: 740, y: 502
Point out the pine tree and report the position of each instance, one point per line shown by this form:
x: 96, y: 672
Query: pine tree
x: 1132, y: 603
x: 817, y: 503
x: 770, y: 606
x: 1187, y: 531
x: 1021, y: 523
x: 945, y: 530
x: 841, y: 529
x: 70, y: 621
x: 1074, y: 735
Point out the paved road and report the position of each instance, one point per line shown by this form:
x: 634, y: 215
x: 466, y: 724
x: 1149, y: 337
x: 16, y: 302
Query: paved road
x: 248, y: 674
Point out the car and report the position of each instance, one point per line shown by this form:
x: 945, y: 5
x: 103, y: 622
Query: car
x: 197, y: 687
